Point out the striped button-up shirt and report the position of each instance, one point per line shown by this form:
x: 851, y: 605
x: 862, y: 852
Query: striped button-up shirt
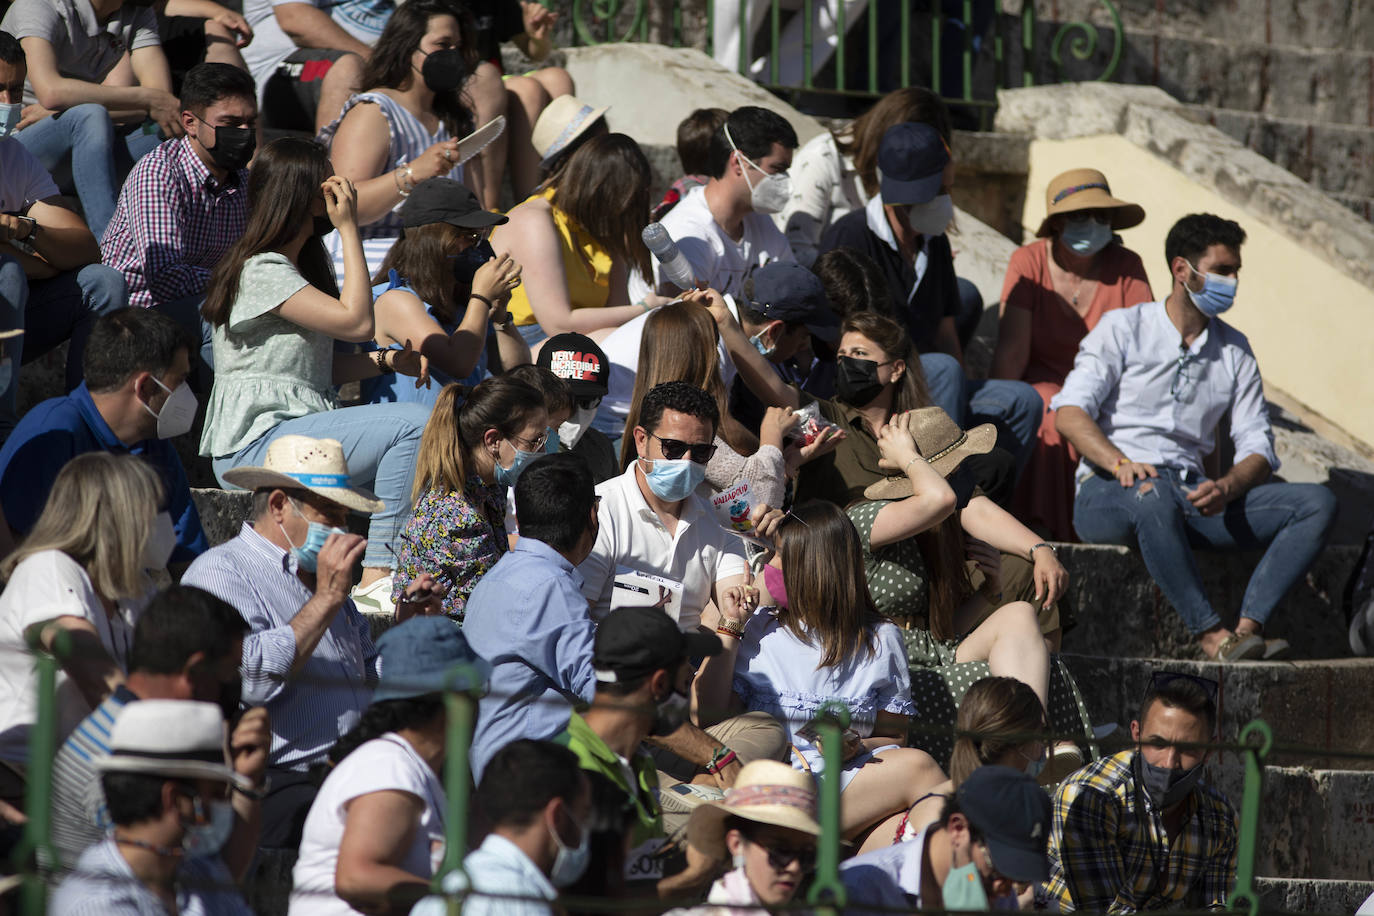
x: 104, y: 885
x: 1109, y: 852
x: 312, y: 708
x: 173, y: 223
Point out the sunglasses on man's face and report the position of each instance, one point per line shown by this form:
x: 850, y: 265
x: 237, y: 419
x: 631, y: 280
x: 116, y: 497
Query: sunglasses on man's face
x: 673, y: 449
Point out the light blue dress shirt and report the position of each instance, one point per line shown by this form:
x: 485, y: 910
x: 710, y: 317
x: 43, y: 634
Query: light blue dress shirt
x: 497, y: 867
x: 888, y: 879
x: 314, y: 707
x: 528, y: 618
x: 104, y: 885
x: 1160, y: 401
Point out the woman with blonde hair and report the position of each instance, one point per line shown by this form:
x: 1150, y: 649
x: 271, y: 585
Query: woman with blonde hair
x: 471, y: 453
x: 83, y: 569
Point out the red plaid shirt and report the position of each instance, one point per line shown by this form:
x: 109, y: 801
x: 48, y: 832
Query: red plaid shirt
x: 173, y: 223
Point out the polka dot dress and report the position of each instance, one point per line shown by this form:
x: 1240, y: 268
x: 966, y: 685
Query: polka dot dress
x: 899, y: 584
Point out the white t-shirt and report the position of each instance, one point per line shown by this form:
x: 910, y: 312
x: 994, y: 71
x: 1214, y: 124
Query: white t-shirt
x: 825, y: 186
x: 385, y: 763
x: 45, y: 586
x: 23, y: 180
x: 363, y: 19
x: 699, y: 553
x: 715, y: 257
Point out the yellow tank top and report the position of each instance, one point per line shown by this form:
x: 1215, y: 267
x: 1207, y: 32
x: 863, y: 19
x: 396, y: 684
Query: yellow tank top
x: 586, y: 265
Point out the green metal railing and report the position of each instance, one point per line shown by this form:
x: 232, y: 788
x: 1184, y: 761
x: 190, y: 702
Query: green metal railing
x: 607, y: 21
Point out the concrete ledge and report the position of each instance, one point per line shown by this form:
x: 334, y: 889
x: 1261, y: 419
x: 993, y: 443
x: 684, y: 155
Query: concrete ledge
x: 1301, y: 895
x: 1318, y: 824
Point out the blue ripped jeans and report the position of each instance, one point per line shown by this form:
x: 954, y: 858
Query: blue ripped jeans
x: 1292, y: 520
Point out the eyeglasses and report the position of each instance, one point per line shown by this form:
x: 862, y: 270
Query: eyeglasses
x: 534, y: 445
x: 476, y: 236
x: 673, y: 449
x: 589, y: 403
x: 781, y: 857
x: 1161, y: 679
x: 1181, y: 381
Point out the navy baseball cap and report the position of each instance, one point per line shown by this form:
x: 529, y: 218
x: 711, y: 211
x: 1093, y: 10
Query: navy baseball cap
x: 1013, y: 814
x: 634, y: 642
x: 578, y: 361
x: 786, y: 291
x: 911, y: 162
x: 418, y: 657
x: 443, y: 200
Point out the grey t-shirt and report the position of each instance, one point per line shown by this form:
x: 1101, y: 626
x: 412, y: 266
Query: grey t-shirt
x: 86, y: 48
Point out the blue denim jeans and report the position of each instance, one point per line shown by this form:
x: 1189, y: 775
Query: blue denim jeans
x: 51, y: 311
x: 1293, y: 519
x: 1015, y: 407
x: 380, y: 443
x: 102, y: 154
x: 186, y: 312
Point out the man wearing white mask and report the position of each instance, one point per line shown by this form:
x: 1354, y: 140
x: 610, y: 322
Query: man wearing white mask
x: 135, y: 399
x: 168, y: 785
x: 725, y: 229
x: 1148, y: 388
x: 583, y: 366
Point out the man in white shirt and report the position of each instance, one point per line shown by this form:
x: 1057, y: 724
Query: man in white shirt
x: 725, y: 229
x: 1142, y: 404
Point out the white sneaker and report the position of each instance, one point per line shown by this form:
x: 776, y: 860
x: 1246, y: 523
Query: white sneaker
x: 375, y: 599
x: 684, y: 798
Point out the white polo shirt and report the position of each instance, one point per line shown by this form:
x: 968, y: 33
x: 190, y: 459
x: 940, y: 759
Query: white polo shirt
x: 698, y: 554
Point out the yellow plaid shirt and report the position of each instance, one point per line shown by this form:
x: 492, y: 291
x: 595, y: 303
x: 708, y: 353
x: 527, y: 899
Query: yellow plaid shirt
x: 1109, y: 852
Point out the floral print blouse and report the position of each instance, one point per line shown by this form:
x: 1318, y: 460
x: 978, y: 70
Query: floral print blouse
x: 456, y: 537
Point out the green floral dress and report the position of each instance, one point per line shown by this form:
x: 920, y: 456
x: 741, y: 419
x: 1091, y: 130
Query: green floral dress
x: 898, y: 582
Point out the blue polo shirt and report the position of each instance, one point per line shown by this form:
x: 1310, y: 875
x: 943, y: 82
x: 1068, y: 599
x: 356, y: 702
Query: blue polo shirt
x: 56, y: 431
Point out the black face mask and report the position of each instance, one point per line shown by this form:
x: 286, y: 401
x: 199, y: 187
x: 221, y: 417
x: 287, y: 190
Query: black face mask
x: 465, y: 263
x: 230, y: 696
x: 1165, y: 787
x: 234, y: 146
x: 856, y: 381
x: 444, y: 71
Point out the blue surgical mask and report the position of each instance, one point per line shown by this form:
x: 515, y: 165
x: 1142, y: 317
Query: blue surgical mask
x: 208, y: 836
x: 308, y: 554
x: 671, y: 480
x: 1218, y: 293
x: 507, y: 476
x: 963, y: 889
x: 570, y: 862
x: 764, y: 349
x: 1085, y: 236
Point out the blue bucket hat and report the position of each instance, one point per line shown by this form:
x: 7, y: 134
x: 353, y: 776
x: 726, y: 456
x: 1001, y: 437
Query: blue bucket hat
x: 911, y: 162
x: 418, y: 657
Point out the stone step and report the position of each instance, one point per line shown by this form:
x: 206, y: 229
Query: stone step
x: 1316, y: 823
x: 1306, y: 895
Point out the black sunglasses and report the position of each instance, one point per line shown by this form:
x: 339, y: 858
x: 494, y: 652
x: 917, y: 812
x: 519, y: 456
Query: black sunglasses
x: 779, y: 859
x: 673, y: 449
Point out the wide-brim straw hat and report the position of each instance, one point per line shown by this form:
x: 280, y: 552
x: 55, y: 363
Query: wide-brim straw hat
x: 303, y: 463
x: 766, y: 792
x: 564, y: 120
x: 941, y: 443
x: 1087, y: 189
x: 178, y: 738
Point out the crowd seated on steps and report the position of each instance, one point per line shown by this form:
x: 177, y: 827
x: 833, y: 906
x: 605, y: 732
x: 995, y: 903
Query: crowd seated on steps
x: 659, y: 508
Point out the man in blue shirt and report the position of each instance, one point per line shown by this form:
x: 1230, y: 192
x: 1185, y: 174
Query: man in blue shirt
x: 134, y: 399
x: 1142, y: 404
x: 527, y: 615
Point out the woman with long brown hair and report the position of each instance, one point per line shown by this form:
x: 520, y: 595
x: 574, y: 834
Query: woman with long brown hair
x: 827, y: 641
x: 837, y: 171
x: 276, y: 314
x: 472, y: 451
x: 579, y: 240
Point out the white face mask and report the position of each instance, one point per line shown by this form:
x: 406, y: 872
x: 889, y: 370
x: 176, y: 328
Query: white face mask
x: 932, y: 217
x: 571, y: 429
x: 162, y: 540
x: 10, y: 115
x: 178, y: 413
x: 772, y: 192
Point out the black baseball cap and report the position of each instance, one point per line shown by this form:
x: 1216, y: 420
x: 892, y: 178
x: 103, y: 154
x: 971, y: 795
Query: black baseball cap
x: 634, y: 642
x: 911, y: 161
x: 578, y: 361
x: 786, y: 291
x: 443, y: 200
x: 1013, y: 815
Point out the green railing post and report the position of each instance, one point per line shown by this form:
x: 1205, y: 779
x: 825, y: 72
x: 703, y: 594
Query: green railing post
x: 744, y: 38
x: 461, y: 701
x: 906, y: 46
x: 968, y: 50
x: 827, y: 892
x: 1028, y: 44
x: 872, y: 15
x: 35, y: 850
x: 1245, y: 897
x: 936, y: 25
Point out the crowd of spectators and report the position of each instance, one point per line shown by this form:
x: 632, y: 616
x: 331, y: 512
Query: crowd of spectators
x: 652, y: 530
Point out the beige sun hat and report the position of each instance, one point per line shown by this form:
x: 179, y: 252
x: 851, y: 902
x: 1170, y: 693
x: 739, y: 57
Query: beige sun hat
x: 564, y: 120
x: 766, y: 792
x: 940, y: 442
x: 303, y: 463
x: 1087, y: 189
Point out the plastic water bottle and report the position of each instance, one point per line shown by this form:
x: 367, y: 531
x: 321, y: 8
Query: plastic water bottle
x: 675, y: 267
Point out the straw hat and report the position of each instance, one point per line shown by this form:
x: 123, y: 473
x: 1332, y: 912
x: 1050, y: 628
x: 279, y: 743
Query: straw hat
x: 1086, y: 189
x: 179, y: 738
x: 940, y: 442
x: 302, y: 463
x: 766, y: 792
x: 564, y: 120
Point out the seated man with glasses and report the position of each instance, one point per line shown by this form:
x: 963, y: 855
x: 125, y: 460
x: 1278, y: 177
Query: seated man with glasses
x: 1142, y: 404
x: 660, y: 544
x: 1138, y: 830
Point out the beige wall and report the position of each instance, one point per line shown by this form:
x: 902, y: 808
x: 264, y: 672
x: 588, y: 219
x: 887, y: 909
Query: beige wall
x: 1311, y: 327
